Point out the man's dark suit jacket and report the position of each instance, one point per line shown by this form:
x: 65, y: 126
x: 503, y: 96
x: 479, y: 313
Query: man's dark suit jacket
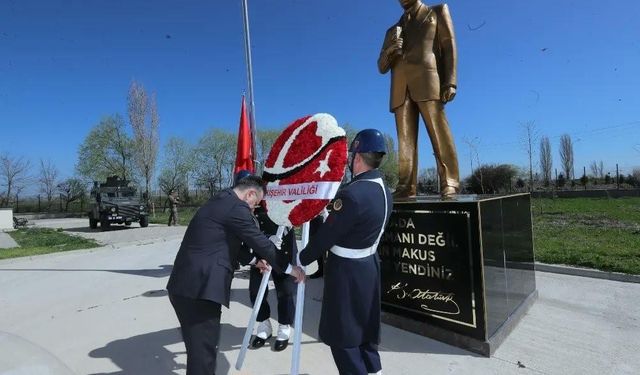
x: 203, y: 267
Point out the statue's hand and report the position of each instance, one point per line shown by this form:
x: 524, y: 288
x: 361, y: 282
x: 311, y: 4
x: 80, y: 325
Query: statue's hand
x: 395, y: 49
x: 448, y: 94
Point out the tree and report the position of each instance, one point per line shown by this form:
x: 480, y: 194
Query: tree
x: 71, y: 190
x: 584, y: 180
x: 546, y: 160
x: 566, y: 156
x: 48, y: 180
x: 143, y: 117
x: 176, y: 166
x: 529, y: 138
x: 214, y: 160
x: 633, y: 180
x: 14, y: 176
x: 106, y: 151
x: 428, y: 180
x: 389, y: 167
x: 264, y: 141
x: 561, y: 180
x: 597, y: 169
x: 636, y: 175
x: 473, y: 154
x: 496, y: 179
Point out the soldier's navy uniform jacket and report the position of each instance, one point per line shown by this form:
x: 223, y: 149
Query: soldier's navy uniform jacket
x: 203, y: 267
x: 351, y: 303
x: 285, y: 284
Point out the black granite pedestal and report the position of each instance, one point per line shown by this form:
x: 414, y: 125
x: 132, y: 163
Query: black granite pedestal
x: 460, y: 271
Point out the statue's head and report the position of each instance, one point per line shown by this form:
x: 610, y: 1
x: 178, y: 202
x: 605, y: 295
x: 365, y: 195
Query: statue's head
x: 406, y: 4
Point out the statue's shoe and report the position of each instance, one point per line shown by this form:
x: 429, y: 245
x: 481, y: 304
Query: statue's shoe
x: 448, y: 192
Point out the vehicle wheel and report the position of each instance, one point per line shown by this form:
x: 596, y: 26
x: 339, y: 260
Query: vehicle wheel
x: 144, y: 221
x: 93, y: 223
x: 127, y: 223
x: 104, y: 223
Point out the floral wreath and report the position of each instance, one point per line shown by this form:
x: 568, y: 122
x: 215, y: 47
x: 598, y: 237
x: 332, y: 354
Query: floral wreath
x: 304, y: 169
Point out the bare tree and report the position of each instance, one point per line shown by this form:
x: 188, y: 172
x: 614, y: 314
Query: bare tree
x: 144, y: 120
x: 176, y: 166
x: 529, y: 138
x: 597, y: 169
x: 14, y: 175
x: 473, y: 154
x: 566, y: 156
x: 265, y: 140
x: 71, y: 190
x: 48, y: 180
x: 546, y: 160
x: 636, y: 173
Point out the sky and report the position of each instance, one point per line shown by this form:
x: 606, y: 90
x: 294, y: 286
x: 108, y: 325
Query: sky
x: 571, y: 67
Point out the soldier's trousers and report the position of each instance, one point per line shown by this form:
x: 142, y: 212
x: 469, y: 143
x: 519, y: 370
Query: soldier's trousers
x: 173, y: 217
x: 285, y: 290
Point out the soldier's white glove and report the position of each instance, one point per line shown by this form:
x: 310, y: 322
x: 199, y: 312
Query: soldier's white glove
x: 276, y: 241
x: 324, y: 214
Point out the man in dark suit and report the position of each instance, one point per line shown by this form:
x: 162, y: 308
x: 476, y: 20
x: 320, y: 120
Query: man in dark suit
x: 350, y: 318
x: 420, y: 51
x: 200, y: 281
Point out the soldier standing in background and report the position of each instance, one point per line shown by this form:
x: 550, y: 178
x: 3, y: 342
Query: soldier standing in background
x: 174, y: 200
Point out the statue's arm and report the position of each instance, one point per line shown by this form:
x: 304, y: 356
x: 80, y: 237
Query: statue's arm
x: 384, y: 60
x: 449, y: 54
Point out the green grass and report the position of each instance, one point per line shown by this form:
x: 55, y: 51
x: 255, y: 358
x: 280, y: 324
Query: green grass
x: 185, y: 214
x: 36, y: 241
x: 596, y: 233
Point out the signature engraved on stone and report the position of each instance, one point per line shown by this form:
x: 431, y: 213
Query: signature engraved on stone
x: 447, y: 299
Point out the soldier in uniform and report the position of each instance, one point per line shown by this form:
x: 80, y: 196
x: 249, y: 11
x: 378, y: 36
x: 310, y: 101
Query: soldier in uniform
x: 350, y: 318
x: 285, y: 284
x: 285, y: 287
x: 174, y: 200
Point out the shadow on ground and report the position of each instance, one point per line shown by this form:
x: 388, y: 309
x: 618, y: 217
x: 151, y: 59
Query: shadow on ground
x: 392, y: 339
x: 147, y: 354
x: 162, y: 270
x: 113, y: 228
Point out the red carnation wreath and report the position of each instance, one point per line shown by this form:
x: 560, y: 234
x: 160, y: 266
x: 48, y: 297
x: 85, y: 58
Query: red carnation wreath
x: 304, y: 169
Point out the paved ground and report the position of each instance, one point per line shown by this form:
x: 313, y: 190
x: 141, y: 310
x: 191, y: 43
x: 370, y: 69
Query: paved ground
x: 117, y: 235
x: 105, y: 311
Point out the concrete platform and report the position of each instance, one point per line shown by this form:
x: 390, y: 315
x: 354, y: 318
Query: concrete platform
x: 105, y: 311
x: 6, y: 241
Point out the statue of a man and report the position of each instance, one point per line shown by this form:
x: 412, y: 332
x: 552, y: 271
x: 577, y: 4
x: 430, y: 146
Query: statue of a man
x: 421, y: 52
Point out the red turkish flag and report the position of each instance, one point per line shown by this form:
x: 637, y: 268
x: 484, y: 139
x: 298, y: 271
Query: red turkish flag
x: 244, y: 152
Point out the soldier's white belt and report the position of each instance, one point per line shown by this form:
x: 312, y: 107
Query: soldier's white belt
x: 345, y: 252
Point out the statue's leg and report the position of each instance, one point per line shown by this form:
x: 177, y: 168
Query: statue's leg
x: 444, y: 148
x: 407, y: 127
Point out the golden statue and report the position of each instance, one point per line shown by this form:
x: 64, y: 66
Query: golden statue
x: 421, y: 52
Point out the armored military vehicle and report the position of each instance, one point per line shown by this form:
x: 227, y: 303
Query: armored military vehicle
x: 115, y: 202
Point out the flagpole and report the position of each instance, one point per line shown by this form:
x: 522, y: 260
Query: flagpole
x: 247, y: 54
